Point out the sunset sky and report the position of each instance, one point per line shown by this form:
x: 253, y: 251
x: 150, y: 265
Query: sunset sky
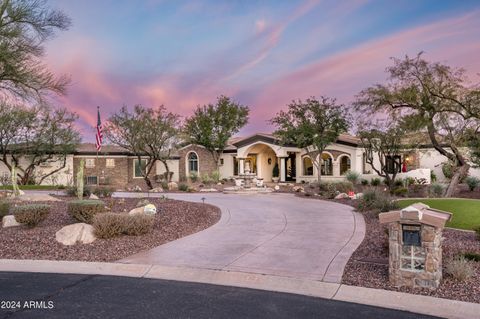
x: 262, y: 53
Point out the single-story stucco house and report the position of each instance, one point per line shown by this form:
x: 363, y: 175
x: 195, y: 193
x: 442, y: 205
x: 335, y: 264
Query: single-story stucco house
x: 117, y: 168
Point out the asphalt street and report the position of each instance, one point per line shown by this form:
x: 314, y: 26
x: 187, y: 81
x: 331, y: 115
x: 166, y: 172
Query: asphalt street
x: 34, y: 295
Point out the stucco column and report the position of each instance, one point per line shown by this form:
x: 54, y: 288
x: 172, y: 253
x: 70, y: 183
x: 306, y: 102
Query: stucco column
x: 282, y: 169
x: 241, y: 166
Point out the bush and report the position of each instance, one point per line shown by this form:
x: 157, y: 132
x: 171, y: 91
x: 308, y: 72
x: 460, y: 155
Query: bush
x: 330, y: 190
x: 103, y: 191
x: 433, y: 177
x: 164, y: 185
x: 215, y: 176
x: 375, y: 181
x: 31, y: 215
x: 477, y: 231
x: 72, y: 191
x: 4, y: 208
x: 205, y: 179
x: 142, y: 202
x: 400, y: 191
x: 110, y: 225
x: 472, y: 256
x: 409, y: 181
x: 364, y: 182
x: 398, y: 183
x: 85, y: 210
x: 459, y: 268
x: 472, y: 182
x: 183, y: 187
x: 352, y: 177
x: 376, y: 201
x: 436, y: 190
x: 193, y: 177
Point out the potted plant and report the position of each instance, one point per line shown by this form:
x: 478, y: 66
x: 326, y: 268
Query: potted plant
x: 275, y: 173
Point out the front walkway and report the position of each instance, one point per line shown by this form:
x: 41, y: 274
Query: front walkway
x: 276, y: 234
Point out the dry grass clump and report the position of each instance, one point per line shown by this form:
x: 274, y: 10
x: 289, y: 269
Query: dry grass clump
x: 31, y: 215
x: 111, y: 225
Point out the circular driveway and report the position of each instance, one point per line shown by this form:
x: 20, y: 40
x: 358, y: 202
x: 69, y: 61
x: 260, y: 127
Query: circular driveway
x: 275, y: 234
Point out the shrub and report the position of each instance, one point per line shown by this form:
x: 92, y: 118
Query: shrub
x: 164, y: 185
x: 85, y: 210
x: 398, y: 183
x: 375, y: 181
x: 433, y: 177
x: 477, y: 231
x: 472, y: 256
x: 472, y: 182
x: 436, y: 190
x: 447, y: 170
x: 183, y: 187
x: 4, y: 208
x: 400, y: 191
x: 409, y: 181
x: 459, y: 268
x: 275, y: 170
x: 193, y: 177
x: 330, y: 190
x: 364, y: 182
x: 352, y: 177
x: 103, y: 191
x: 215, y: 176
x: 376, y: 201
x: 110, y: 225
x: 72, y: 191
x: 31, y: 215
x: 205, y: 179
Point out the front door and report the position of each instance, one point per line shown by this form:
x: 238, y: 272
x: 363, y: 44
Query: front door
x: 290, y: 167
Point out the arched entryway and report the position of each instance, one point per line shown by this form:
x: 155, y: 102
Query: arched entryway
x: 261, y: 159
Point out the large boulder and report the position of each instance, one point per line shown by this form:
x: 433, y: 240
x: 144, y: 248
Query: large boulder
x: 298, y: 189
x: 342, y: 196
x: 9, y: 221
x: 172, y: 186
x: 93, y: 196
x: 148, y: 209
x: 75, y: 233
x: 156, y: 190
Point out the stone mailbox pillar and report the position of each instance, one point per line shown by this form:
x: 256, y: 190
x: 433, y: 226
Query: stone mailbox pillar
x: 415, y: 245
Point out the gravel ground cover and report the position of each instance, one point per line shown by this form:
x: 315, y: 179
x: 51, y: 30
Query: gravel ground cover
x: 368, y: 266
x: 175, y: 219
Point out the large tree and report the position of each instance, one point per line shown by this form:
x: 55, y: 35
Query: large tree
x: 213, y: 125
x: 25, y: 26
x: 432, y: 98
x: 150, y: 134
x: 312, y: 125
x: 33, y: 136
x: 384, y: 145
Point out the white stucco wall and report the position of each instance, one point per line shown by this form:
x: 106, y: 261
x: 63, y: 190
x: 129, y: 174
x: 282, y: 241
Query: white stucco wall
x: 63, y: 177
x: 172, y: 166
x: 226, y: 169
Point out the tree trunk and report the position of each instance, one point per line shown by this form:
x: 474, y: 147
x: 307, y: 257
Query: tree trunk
x: 167, y: 171
x: 148, y: 182
x: 459, y: 172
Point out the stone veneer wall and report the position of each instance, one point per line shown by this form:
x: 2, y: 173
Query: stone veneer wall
x: 119, y: 177
x: 431, y: 238
x: 206, y: 164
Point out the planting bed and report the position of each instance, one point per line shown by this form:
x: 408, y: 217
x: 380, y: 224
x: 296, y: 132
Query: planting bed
x: 175, y: 219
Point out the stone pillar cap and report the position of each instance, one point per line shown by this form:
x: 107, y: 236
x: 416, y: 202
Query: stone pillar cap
x: 417, y: 213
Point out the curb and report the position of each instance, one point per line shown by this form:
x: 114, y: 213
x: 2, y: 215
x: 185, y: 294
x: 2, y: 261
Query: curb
x: 445, y: 308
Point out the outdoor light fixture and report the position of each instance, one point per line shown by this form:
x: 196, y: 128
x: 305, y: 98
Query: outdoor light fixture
x: 269, y: 161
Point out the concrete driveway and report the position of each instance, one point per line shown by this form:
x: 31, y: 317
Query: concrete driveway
x: 275, y: 234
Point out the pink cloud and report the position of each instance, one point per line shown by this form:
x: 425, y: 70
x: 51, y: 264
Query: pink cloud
x: 344, y: 74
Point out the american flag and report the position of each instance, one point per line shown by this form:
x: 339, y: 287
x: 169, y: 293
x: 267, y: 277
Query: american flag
x: 99, y: 135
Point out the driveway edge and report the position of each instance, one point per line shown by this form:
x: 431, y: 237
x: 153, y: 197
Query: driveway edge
x: 374, y: 297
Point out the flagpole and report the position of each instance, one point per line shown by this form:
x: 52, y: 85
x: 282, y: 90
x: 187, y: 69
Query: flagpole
x: 98, y: 163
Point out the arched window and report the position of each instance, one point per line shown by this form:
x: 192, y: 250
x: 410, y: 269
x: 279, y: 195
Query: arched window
x: 192, y: 162
x: 327, y: 165
x: 345, y: 165
x: 307, y: 166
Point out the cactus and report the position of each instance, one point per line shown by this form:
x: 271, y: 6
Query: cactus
x: 80, y: 179
x: 16, y: 190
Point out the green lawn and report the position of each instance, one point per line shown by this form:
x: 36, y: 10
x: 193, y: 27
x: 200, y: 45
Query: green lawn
x: 466, y: 212
x: 31, y: 187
